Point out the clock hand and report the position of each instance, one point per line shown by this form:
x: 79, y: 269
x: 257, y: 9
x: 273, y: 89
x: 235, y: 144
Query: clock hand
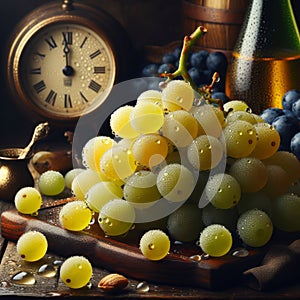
x: 67, y: 70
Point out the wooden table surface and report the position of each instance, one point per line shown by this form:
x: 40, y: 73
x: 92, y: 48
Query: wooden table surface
x: 52, y: 287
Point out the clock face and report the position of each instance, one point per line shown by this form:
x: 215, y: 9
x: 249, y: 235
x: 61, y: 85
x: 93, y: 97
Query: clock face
x: 66, y: 70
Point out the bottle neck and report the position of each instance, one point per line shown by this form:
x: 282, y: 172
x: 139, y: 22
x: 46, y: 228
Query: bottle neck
x: 269, y: 29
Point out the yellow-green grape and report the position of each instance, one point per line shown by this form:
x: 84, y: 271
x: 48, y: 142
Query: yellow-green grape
x: 285, y: 213
x: 51, y: 183
x: 120, y: 123
x: 180, y: 127
x: 241, y: 116
x: 147, y: 117
x: 175, y: 182
x: 240, y: 138
x: 268, y: 141
x: 288, y: 161
x: 223, y: 191
x: 76, y: 272
x: 32, y: 245
x: 118, y: 163
x: 226, y: 217
x: 126, y: 143
x: 102, y: 192
x: 278, y: 181
x: 83, y: 182
x: 70, y: 175
x: 75, y: 216
x: 258, y: 118
x: 154, y: 96
x: 257, y: 200
x: 94, y: 149
x: 177, y: 95
x: 210, y: 120
x: 28, y: 200
x: 250, y: 173
x: 236, y: 105
x: 116, y: 217
x: 155, y: 244
x: 141, y: 188
x: 150, y: 150
x: 205, y: 152
x: 185, y: 223
x: 255, y: 228
x: 215, y: 240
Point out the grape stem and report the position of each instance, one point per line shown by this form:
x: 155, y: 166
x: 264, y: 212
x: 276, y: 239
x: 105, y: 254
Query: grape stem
x: 188, y: 42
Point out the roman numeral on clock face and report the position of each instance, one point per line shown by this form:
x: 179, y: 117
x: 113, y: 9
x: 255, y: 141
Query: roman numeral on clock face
x: 51, y: 98
x: 68, y: 37
x: 51, y: 42
x: 99, y: 70
x: 68, y: 101
x: 95, y: 86
x: 39, y: 86
x: 95, y: 54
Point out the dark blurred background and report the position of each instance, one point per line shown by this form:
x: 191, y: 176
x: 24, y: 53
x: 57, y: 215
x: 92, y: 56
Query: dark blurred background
x: 147, y: 22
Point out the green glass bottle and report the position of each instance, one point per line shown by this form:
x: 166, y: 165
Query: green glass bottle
x: 266, y: 58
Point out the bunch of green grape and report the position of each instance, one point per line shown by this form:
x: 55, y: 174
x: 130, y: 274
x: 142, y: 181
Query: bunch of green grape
x: 188, y: 170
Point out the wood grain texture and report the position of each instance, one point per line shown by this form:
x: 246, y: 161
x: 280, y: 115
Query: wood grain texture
x: 119, y: 256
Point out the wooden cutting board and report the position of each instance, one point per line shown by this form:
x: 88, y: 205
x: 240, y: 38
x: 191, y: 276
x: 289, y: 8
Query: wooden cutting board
x: 122, y: 255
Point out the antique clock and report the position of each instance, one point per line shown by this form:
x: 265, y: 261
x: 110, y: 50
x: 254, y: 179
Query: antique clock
x: 63, y: 59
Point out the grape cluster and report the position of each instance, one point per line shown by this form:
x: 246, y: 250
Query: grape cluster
x: 286, y: 121
x: 201, y: 66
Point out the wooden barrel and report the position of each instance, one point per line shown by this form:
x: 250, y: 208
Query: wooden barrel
x: 222, y: 19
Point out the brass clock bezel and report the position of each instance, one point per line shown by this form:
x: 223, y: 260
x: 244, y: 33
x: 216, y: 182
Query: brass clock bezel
x: 46, y: 16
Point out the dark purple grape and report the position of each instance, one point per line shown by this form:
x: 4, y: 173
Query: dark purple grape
x: 296, y: 108
x: 150, y: 70
x: 288, y: 113
x: 168, y: 58
x: 287, y: 127
x: 289, y: 98
x: 220, y: 95
x: 198, y: 59
x: 270, y: 114
x: 217, y: 62
x: 206, y: 76
x: 195, y: 75
x: 177, y: 52
x: 165, y: 68
x: 295, y: 145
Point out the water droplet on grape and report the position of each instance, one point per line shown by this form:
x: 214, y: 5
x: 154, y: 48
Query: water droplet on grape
x: 142, y: 287
x: 179, y: 99
x: 151, y: 246
x: 24, y: 278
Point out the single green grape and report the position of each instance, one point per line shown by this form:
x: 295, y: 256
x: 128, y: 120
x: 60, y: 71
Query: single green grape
x: 205, y: 152
x: 51, y: 183
x: 240, y: 138
x: 268, y: 141
x: 102, y: 192
x: 75, y: 215
x: 146, y: 117
x: 250, y: 173
x: 175, y: 182
x: 76, y: 272
x: 180, y: 127
x: 177, y: 95
x: 255, y: 228
x: 94, y: 149
x: 150, y: 150
x: 28, y: 200
x: 285, y: 212
x: 155, y: 244
x: 70, y: 175
x: 116, y: 217
x: 223, y: 191
x: 210, y: 120
x: 140, y: 188
x: 154, y: 96
x: 32, y: 245
x: 120, y: 123
x: 83, y: 181
x: 215, y: 240
x: 242, y: 116
x: 118, y: 163
x: 185, y: 223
